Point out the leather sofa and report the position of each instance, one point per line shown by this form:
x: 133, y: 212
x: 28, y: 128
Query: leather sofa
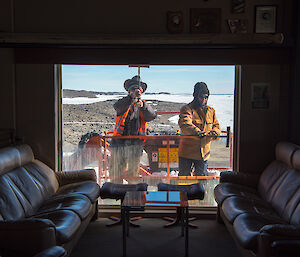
x: 54, y: 251
x: 40, y: 208
x: 262, y: 211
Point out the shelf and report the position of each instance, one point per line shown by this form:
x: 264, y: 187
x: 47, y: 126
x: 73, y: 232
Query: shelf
x: 105, y: 40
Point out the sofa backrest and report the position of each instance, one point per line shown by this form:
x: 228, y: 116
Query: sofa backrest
x: 273, y: 175
x: 14, y: 156
x: 296, y: 160
x: 279, y: 183
x: 286, y: 197
x: 24, y: 182
x: 292, y: 211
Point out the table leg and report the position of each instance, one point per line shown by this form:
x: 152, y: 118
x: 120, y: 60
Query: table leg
x: 186, y: 231
x: 127, y: 222
x: 124, y: 221
x: 182, y: 217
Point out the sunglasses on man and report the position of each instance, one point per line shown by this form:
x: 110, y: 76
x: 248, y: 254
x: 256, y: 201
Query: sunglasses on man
x: 133, y: 88
x: 203, y: 96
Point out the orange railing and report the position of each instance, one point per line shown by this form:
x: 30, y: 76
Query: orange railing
x: 99, y: 148
x: 103, y: 146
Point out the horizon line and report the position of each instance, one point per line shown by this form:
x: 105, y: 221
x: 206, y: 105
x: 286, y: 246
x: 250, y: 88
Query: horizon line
x: 147, y: 93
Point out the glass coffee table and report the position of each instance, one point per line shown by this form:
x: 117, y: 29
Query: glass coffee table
x: 139, y: 200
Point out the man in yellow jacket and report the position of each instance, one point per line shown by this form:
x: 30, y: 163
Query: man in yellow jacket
x: 199, y: 121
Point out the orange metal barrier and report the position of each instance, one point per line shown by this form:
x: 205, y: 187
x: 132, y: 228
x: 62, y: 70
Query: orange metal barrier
x: 102, y: 144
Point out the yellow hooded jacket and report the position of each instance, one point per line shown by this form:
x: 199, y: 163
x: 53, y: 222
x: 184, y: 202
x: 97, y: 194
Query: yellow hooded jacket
x: 191, y: 122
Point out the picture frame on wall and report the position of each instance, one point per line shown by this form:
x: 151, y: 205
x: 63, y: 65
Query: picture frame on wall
x: 238, y: 26
x: 260, y: 98
x: 265, y: 19
x: 175, y: 22
x: 205, y: 20
x: 238, y: 6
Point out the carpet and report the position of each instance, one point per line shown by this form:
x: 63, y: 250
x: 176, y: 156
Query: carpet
x: 152, y: 239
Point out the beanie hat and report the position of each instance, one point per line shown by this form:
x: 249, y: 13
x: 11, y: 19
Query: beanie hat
x: 200, y: 88
x: 135, y: 81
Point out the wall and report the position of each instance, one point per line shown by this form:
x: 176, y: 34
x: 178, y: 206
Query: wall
x: 26, y: 103
x: 7, y: 88
x: 35, y: 109
x: 6, y: 16
x: 261, y: 129
x: 7, y: 71
x: 119, y: 17
x: 295, y: 87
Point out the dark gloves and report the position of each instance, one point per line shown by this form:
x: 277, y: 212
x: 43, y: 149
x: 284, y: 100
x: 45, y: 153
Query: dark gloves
x: 201, y: 134
x: 212, y: 133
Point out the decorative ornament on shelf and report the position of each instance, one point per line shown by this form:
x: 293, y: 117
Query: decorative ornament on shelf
x: 175, y: 22
x: 238, y: 6
x: 205, y: 20
x: 237, y: 26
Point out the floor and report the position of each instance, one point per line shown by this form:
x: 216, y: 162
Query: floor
x: 152, y: 239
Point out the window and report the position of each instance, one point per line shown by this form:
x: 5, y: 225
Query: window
x: 89, y: 92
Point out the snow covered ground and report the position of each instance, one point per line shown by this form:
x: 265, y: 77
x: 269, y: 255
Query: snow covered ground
x: 223, y: 104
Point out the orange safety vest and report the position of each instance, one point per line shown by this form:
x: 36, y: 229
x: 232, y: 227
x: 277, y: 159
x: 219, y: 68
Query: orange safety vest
x: 120, y: 124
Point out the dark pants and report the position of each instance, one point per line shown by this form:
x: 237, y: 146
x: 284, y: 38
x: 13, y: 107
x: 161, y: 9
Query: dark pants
x: 186, y: 166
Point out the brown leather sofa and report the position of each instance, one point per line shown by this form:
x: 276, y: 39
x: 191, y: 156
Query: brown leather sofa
x: 40, y: 208
x: 262, y: 211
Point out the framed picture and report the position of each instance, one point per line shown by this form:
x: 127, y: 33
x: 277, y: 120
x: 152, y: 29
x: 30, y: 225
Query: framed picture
x: 205, y: 20
x: 260, y: 98
x: 238, y: 25
x: 175, y: 22
x: 238, y: 6
x: 265, y: 19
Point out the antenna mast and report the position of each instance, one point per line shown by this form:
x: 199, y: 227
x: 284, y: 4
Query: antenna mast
x: 139, y: 66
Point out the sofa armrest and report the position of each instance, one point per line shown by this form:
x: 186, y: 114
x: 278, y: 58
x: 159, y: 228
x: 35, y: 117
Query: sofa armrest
x: 279, y: 240
x: 26, y: 236
x: 289, y: 248
x: 282, y: 230
x: 73, y: 176
x: 240, y: 178
x: 55, y: 251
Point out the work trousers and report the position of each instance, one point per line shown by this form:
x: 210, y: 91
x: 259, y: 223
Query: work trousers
x: 198, y: 167
x: 125, y: 163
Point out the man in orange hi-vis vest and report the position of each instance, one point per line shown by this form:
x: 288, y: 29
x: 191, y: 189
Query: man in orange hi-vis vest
x: 133, y: 113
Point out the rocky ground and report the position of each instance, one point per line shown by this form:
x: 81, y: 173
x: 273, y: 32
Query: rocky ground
x: 99, y: 117
x: 79, y: 119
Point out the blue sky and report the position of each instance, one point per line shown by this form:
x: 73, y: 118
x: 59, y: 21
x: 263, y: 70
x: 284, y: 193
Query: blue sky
x: 159, y: 78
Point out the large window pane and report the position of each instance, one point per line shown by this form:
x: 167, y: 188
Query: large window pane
x: 89, y: 93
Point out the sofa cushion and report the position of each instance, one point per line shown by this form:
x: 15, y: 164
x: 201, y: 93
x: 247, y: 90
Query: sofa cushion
x: 26, y: 237
x: 224, y: 190
x: 246, y: 228
x: 296, y: 160
x: 54, y: 251
x: 88, y: 188
x: 271, y: 179
x: 287, y: 192
x: 236, y: 205
x: 14, y: 157
x: 292, y: 210
x: 26, y: 189
x: 44, y: 177
x: 284, y: 152
x: 80, y: 204
x: 10, y: 206
x: 66, y: 224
